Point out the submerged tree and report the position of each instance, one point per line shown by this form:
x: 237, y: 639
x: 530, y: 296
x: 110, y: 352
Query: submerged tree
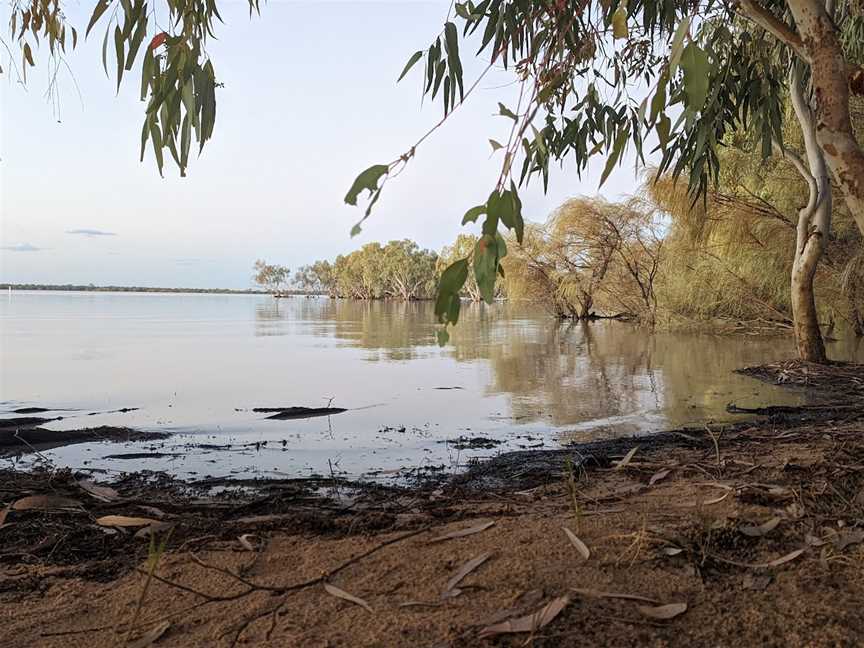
x: 591, y: 255
x: 273, y: 278
x: 709, y: 67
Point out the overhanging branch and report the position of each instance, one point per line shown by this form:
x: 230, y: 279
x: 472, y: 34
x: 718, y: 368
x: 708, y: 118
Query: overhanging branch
x: 783, y: 32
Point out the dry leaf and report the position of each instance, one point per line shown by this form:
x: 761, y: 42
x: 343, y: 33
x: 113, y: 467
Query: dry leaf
x: 3, y: 513
x: 813, y: 540
x: 246, y: 541
x: 44, y: 502
x: 846, y: 538
x: 530, y: 623
x: 626, y: 460
x: 342, y: 594
x: 660, y: 474
x: 783, y: 559
x: 671, y: 551
x: 581, y: 547
x: 152, y: 510
x: 466, y: 569
x: 762, y: 529
x: 663, y: 612
x: 151, y: 637
x: 102, y: 493
x: 774, y: 563
x: 613, y: 595
x: 461, y: 533
x: 419, y: 604
x: 124, y: 521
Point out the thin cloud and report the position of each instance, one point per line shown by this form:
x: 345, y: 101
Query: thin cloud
x: 22, y: 247
x: 91, y: 232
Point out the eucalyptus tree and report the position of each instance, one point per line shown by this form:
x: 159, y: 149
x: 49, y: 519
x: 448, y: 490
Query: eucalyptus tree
x: 597, y: 78
x: 409, y: 272
x: 273, y: 278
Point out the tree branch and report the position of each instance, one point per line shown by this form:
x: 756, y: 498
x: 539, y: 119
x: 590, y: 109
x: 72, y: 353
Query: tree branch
x: 783, y: 32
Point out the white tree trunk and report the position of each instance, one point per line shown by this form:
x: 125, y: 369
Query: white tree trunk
x: 830, y: 79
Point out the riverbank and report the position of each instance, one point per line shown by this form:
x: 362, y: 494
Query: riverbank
x: 750, y: 534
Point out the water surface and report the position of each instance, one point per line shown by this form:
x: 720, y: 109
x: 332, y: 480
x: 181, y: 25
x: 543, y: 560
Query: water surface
x: 195, y: 365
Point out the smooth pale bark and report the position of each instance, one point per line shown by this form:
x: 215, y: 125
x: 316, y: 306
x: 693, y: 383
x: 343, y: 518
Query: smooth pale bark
x: 814, y: 225
x: 830, y: 79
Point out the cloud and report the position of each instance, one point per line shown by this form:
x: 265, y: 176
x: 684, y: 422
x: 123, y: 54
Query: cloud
x: 21, y: 247
x: 91, y: 232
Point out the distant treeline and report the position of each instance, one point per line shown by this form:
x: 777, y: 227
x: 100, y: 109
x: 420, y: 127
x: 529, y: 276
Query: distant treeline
x: 143, y: 289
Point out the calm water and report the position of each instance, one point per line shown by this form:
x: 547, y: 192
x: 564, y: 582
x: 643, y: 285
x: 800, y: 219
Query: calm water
x: 196, y: 364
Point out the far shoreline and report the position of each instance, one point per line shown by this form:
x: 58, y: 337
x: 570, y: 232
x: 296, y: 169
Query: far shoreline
x: 142, y: 289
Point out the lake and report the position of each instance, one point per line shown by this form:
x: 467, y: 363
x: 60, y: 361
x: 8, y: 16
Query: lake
x: 196, y: 364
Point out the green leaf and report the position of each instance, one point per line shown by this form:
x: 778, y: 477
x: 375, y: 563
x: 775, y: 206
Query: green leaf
x: 146, y: 72
x: 506, y: 112
x: 486, y: 266
x: 615, y: 154
x: 447, y: 303
x: 28, y: 54
x: 118, y: 49
x: 664, y: 125
x: 495, y: 145
x: 473, y: 214
x: 694, y: 62
x: 356, y: 230
x: 367, y: 180
x: 100, y: 9
x: 678, y: 44
x: 105, y: 50
x: 416, y: 56
x: 506, y: 207
x: 443, y: 337
x: 135, y: 43
x: 454, y: 276
x: 619, y: 23
x: 658, y: 102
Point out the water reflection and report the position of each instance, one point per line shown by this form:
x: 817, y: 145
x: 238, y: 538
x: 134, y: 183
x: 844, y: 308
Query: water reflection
x: 603, y: 375
x: 197, y: 364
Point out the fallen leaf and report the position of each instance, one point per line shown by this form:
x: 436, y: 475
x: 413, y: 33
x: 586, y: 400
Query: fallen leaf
x: 626, y: 460
x: 660, y: 474
x: 529, y: 623
x: 342, y: 594
x: 581, y: 547
x: 663, y: 612
x: 246, y: 541
x: 152, y: 510
x: 461, y: 533
x: 44, y: 502
x: 466, y: 569
x: 613, y: 595
x: 671, y: 551
x: 846, y: 538
x: 419, y: 604
x: 151, y: 637
x: 3, y: 513
x: 814, y: 541
x: 102, y: 493
x: 774, y: 563
x: 784, y: 559
x: 760, y: 530
x: 124, y: 521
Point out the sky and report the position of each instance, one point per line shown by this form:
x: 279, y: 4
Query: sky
x: 310, y: 100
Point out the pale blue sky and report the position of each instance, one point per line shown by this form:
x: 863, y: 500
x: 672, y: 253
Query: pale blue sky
x: 310, y: 100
